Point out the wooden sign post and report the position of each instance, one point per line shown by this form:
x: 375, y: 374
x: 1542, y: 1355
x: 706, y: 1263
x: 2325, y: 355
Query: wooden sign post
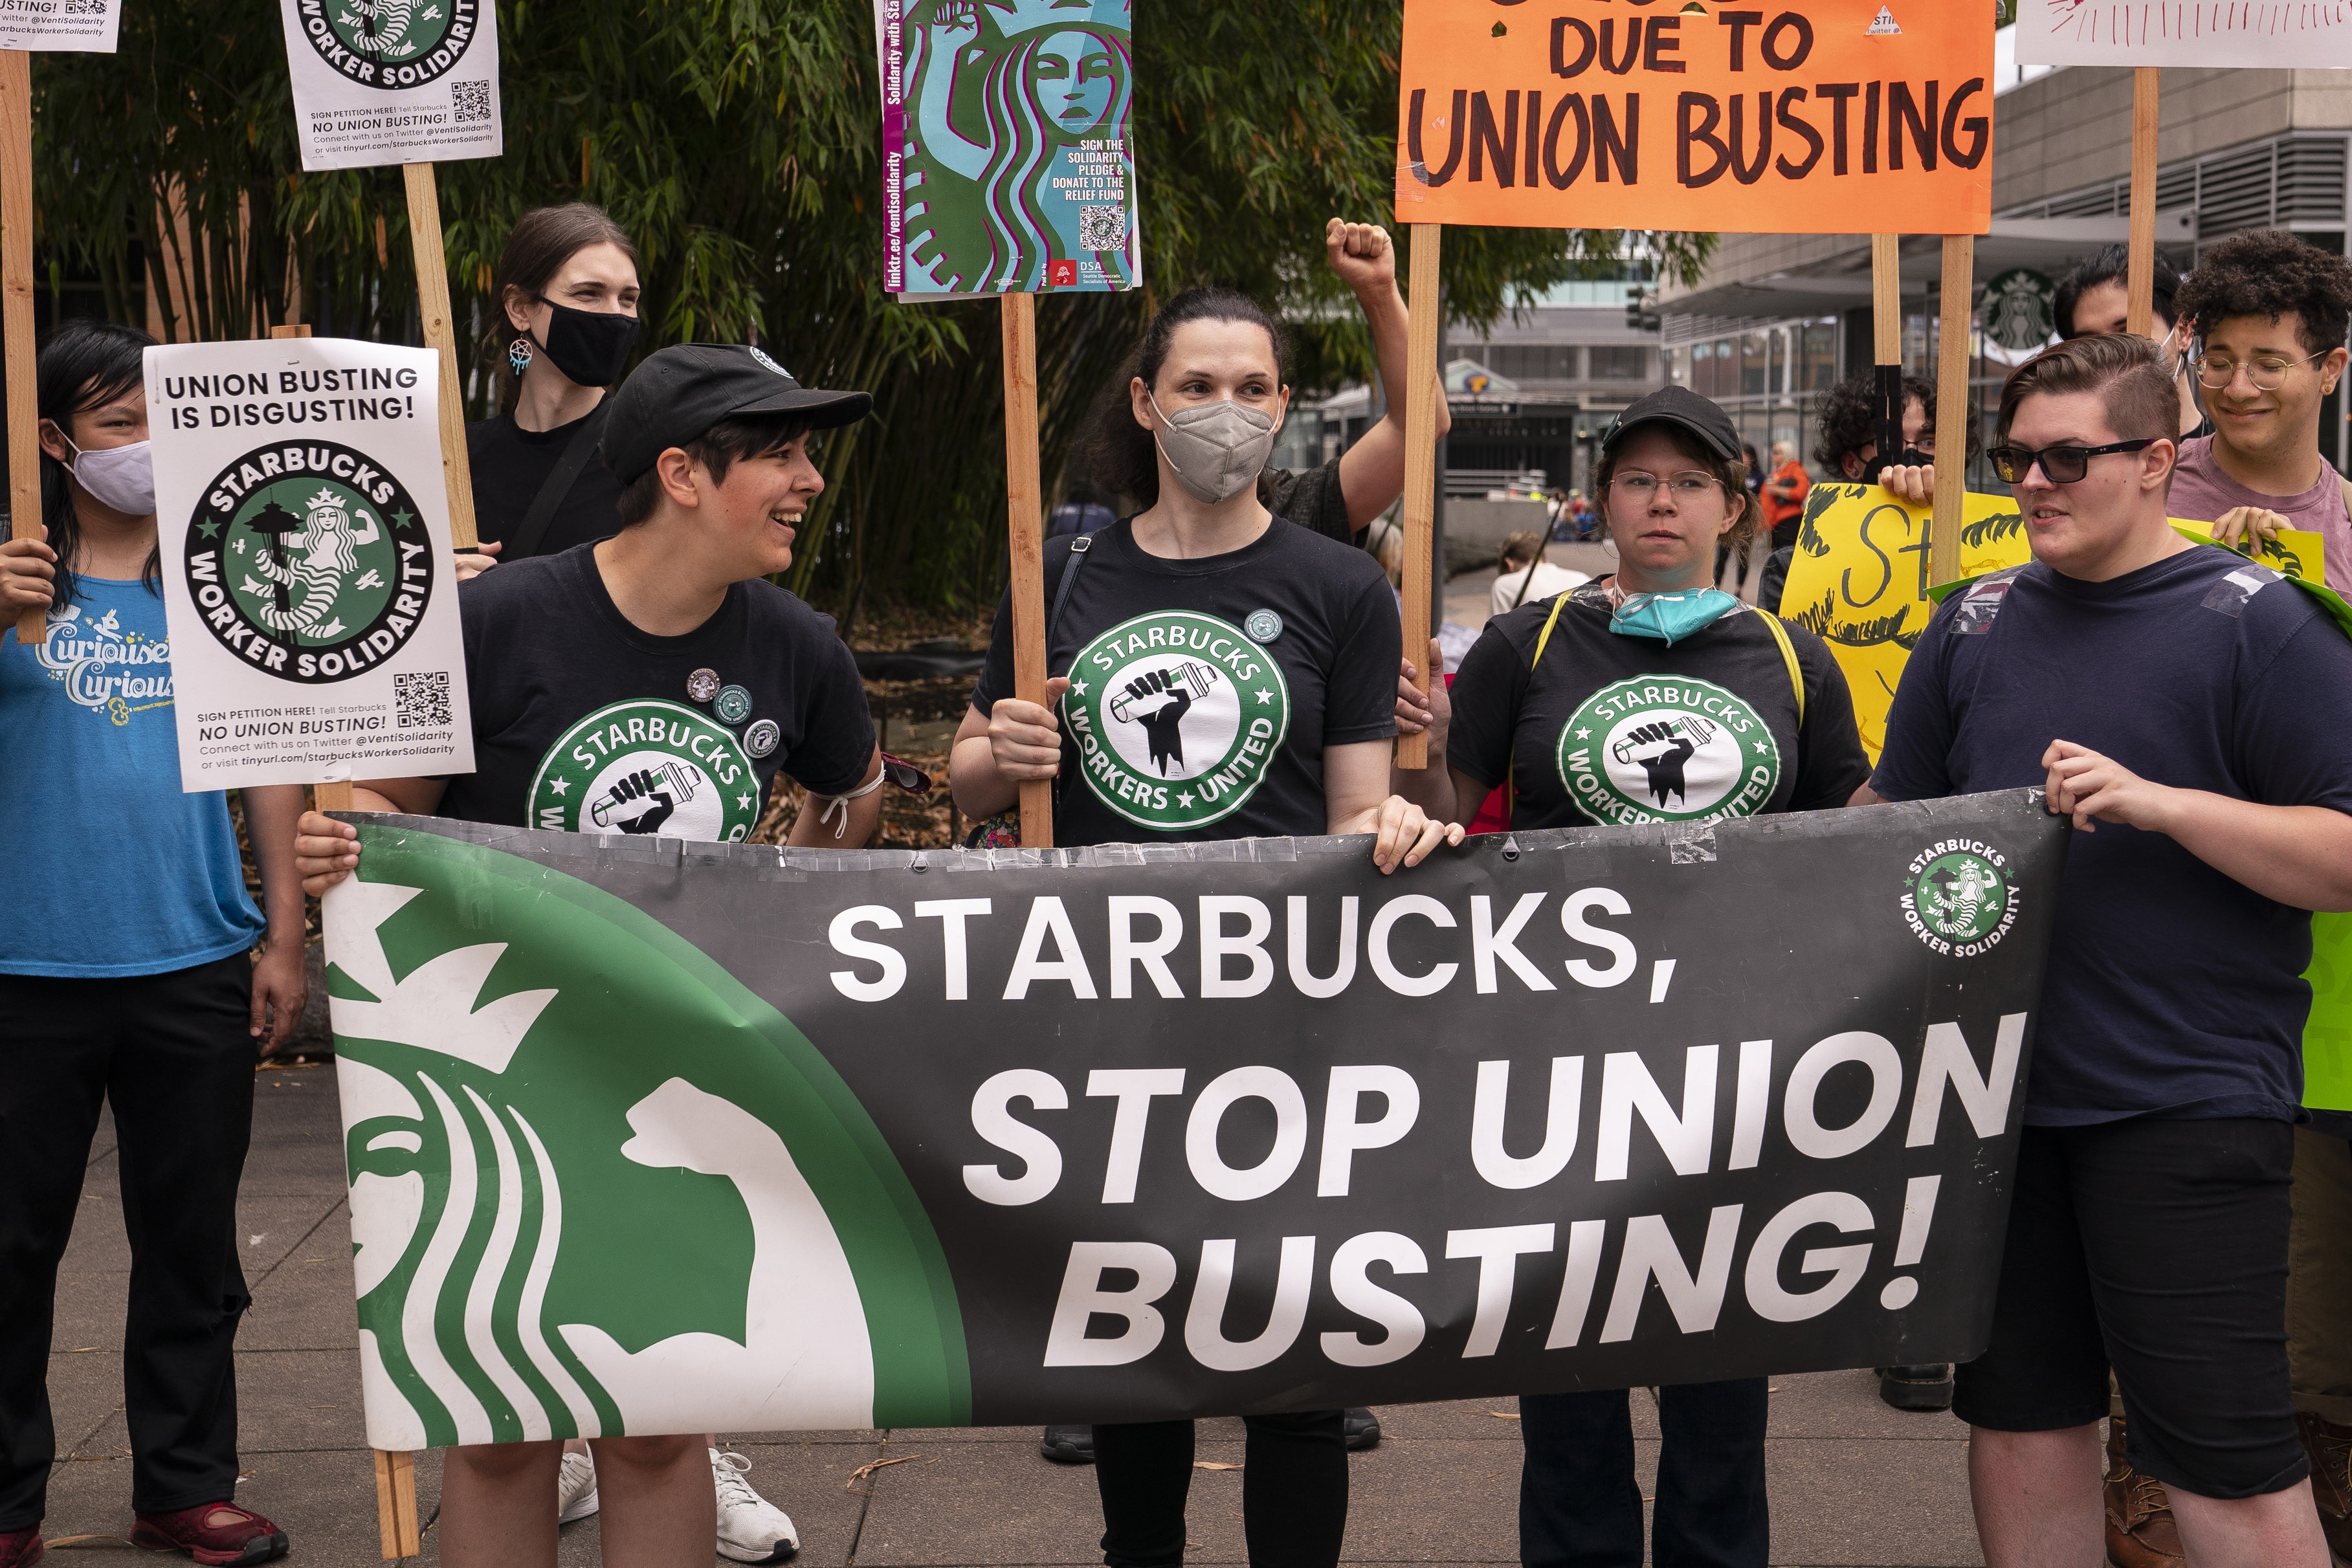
x: 2140, y: 281
x: 440, y: 335
x: 1955, y: 407
x: 1422, y: 392
x: 1025, y: 510
x: 17, y: 314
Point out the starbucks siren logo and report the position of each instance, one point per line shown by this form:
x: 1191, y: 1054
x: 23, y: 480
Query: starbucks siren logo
x: 1176, y: 715
x: 1667, y: 748
x: 391, y: 43
x: 1958, y: 899
x: 309, y: 561
x: 647, y: 767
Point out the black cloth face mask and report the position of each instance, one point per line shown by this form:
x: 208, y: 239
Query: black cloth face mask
x: 591, y: 347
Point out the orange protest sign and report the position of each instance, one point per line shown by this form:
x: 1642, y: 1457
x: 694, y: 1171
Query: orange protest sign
x: 1845, y: 116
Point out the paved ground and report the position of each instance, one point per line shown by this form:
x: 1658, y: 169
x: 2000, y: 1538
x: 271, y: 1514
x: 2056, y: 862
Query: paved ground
x: 1852, y: 1481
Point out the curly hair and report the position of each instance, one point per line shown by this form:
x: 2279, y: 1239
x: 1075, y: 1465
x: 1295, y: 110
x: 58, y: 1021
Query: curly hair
x: 2269, y: 272
x: 1847, y: 420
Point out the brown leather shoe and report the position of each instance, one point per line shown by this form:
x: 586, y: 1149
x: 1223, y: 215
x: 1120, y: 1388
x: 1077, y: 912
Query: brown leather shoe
x: 2330, y: 1448
x: 2141, y: 1533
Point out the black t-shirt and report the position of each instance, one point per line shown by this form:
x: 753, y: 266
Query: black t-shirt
x: 1203, y: 692
x: 584, y: 723
x: 510, y: 464
x: 1311, y: 499
x: 2173, y: 991
x: 1618, y: 730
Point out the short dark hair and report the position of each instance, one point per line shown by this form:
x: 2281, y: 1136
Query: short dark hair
x: 1119, y: 457
x: 85, y: 364
x: 1848, y: 419
x: 2113, y: 264
x: 2269, y: 272
x: 1731, y: 473
x: 2132, y: 374
x: 717, y: 449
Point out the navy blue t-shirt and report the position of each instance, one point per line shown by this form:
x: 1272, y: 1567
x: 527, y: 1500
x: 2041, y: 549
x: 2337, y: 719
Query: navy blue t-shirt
x: 2173, y: 991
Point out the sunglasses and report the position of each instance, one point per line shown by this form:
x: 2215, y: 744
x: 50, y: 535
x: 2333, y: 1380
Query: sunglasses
x: 906, y: 775
x: 2060, y: 465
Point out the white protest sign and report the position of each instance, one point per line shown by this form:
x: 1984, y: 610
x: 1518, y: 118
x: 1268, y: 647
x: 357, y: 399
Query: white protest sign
x: 394, y: 82
x: 307, y: 573
x: 2230, y: 33
x: 76, y: 26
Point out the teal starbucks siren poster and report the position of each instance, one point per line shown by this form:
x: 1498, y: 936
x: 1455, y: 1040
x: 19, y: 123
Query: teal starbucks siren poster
x: 394, y: 82
x: 1008, y: 150
x: 307, y: 577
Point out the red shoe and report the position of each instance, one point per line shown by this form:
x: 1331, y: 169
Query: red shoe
x: 219, y: 1534
x: 20, y: 1548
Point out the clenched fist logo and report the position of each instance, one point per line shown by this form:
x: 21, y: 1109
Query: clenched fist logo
x: 1661, y: 750
x: 1163, y: 691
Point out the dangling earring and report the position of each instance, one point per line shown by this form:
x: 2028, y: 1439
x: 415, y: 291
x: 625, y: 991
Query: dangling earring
x: 519, y: 355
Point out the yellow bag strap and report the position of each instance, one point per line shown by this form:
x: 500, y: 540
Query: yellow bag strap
x: 1788, y: 657
x: 1542, y: 642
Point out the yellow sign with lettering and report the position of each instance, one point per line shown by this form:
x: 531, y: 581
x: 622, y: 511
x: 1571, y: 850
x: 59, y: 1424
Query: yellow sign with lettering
x: 1859, y: 579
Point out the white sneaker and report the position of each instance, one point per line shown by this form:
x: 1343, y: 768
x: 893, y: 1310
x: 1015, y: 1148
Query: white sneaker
x: 575, y: 1489
x: 750, y: 1528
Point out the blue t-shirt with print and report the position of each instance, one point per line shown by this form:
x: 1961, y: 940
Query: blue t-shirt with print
x: 115, y: 870
x: 2172, y: 991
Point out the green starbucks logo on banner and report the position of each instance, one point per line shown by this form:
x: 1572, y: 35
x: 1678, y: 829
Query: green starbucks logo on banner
x: 391, y: 43
x: 2021, y: 309
x: 309, y: 561
x: 1958, y: 898
x: 1177, y: 716
x: 647, y: 767
x: 1667, y: 748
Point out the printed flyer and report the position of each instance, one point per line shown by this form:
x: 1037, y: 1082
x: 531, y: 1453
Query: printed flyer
x: 394, y: 82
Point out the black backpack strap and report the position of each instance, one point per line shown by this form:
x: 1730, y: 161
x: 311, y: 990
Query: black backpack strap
x: 1079, y: 548
x: 525, y: 539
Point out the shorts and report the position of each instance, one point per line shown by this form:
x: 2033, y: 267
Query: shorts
x: 2159, y: 1247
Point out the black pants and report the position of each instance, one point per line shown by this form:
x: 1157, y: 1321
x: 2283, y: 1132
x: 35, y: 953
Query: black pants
x: 1294, y: 1490
x: 1579, y: 1504
x: 170, y: 1053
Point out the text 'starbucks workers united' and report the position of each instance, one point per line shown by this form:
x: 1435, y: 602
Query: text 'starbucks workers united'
x: 647, y: 767
x: 310, y: 560
x: 308, y: 582
x: 1661, y: 748
x: 1176, y: 715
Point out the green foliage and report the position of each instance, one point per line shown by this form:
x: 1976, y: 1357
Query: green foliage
x: 739, y: 142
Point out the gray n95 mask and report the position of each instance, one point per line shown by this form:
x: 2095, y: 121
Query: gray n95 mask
x: 1217, y: 449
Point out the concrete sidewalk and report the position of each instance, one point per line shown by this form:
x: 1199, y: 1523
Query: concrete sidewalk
x: 1852, y: 1481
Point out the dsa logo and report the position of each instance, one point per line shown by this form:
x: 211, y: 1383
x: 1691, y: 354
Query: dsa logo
x: 1062, y: 274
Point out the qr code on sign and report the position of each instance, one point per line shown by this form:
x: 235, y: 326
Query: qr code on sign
x: 85, y: 7
x: 421, y: 701
x: 1102, y: 228
x: 469, y: 101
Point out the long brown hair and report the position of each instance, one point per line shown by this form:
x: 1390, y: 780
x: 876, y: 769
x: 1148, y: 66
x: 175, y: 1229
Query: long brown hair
x: 540, y: 242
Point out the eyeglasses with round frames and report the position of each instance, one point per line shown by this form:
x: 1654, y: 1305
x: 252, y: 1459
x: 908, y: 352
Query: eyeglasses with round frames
x: 2060, y: 465
x: 2267, y: 372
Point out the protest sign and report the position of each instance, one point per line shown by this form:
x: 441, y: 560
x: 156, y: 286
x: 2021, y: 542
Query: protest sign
x: 1008, y: 153
x: 81, y: 26
x: 651, y: 1137
x: 394, y: 82
x: 1860, y: 580
x: 1845, y: 116
x: 307, y: 575
x: 2202, y: 33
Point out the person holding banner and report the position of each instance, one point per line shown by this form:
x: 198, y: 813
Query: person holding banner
x: 2159, y: 691
x: 652, y: 683
x: 567, y: 291
x: 1226, y: 674
x: 1561, y: 703
x: 133, y: 990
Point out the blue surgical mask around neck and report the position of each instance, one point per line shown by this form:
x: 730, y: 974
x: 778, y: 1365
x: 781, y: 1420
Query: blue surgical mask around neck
x: 1672, y: 617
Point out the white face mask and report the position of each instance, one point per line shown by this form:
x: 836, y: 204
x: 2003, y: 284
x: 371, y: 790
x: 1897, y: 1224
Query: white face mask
x: 1218, y: 449
x: 122, y: 477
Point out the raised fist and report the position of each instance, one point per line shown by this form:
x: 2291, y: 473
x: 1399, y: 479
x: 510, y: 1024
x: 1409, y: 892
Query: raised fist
x: 650, y: 789
x: 1161, y: 725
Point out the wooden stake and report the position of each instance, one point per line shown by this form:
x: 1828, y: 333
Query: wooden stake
x: 1024, y: 506
x: 1420, y: 394
x: 17, y: 314
x: 440, y: 332
x: 1886, y: 298
x: 2141, y: 287
x: 1953, y: 409
x: 396, y: 1499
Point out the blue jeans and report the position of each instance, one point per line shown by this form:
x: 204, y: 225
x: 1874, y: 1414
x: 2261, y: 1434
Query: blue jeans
x: 1579, y: 1506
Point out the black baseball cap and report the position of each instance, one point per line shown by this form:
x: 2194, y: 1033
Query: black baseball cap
x: 677, y: 394
x: 1682, y: 406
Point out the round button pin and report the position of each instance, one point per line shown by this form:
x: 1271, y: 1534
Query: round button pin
x: 1262, y: 625
x: 733, y: 704
x: 703, y: 685
x: 762, y: 738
